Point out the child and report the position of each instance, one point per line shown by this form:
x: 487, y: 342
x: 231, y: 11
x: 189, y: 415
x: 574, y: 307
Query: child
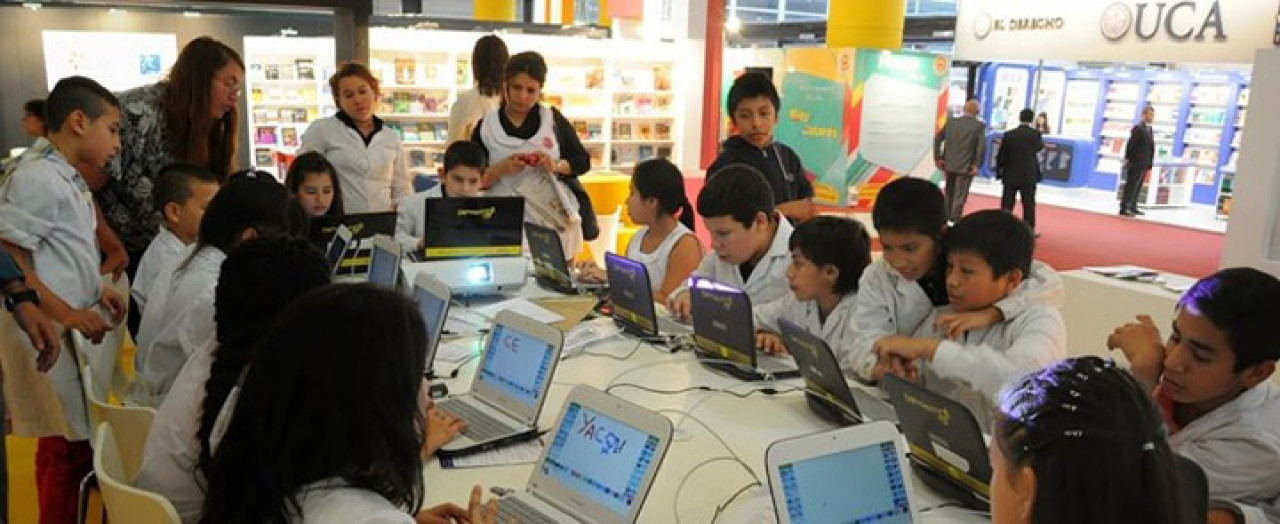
x: 1210, y: 380
x: 753, y: 107
x: 828, y: 255
x: 33, y: 118
x: 313, y: 182
x: 899, y: 292
x: 665, y: 244
x: 339, y: 439
x: 1080, y: 441
x: 988, y: 253
x: 52, y: 217
x: 460, y: 177
x: 251, y: 204
x: 181, y: 194
x: 749, y: 238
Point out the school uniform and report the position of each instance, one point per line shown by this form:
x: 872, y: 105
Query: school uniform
x: 891, y: 305
x: 178, y: 321
x: 372, y: 171
x: 163, y: 250
x: 656, y: 261
x: 333, y: 501
x: 767, y: 281
x: 837, y: 330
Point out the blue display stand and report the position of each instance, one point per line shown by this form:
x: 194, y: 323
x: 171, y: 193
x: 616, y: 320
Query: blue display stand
x: 1065, y: 162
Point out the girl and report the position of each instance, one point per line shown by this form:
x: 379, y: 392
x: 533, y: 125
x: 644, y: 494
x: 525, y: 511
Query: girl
x: 313, y: 182
x: 338, y: 439
x: 665, y: 244
x: 488, y: 60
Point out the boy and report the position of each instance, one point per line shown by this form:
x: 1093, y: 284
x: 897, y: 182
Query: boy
x: 828, y: 255
x: 460, y: 177
x: 749, y: 238
x: 753, y: 107
x: 988, y: 253
x: 52, y: 239
x: 181, y: 194
x: 33, y: 118
x: 899, y: 292
x: 1210, y: 380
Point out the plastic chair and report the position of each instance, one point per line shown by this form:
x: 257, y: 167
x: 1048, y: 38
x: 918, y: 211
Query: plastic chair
x: 124, y: 502
x: 608, y: 239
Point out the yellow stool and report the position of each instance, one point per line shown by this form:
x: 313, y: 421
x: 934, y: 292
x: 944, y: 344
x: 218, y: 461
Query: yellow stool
x: 608, y: 192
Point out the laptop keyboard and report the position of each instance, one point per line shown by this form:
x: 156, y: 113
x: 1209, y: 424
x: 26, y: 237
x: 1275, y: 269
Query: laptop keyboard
x: 512, y: 509
x: 481, y: 427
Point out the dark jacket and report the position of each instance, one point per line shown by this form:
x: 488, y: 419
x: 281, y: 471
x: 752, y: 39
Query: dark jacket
x: 777, y: 162
x: 1017, y: 163
x: 1140, y: 151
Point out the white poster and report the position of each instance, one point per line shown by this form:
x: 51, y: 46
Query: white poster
x: 1218, y: 31
x: 895, y: 133
x: 118, y: 61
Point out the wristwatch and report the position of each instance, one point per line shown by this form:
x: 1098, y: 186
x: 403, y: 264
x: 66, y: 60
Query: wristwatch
x: 27, y: 295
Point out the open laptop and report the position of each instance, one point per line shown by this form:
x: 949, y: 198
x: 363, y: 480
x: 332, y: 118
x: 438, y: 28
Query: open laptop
x: 384, y: 262
x: 632, y: 298
x: 550, y: 267
x: 811, y: 477
x: 472, y: 227
x: 947, y: 448
x: 825, y: 387
x: 725, y: 336
x: 337, y: 249
x: 599, y: 465
x: 432, y: 297
x: 361, y: 225
x: 508, y: 390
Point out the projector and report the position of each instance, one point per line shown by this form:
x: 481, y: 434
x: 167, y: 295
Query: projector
x: 474, y: 276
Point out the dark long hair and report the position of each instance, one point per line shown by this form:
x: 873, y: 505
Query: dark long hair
x: 249, y: 199
x: 659, y: 178
x: 257, y: 280
x: 331, y: 394
x: 488, y: 61
x: 310, y: 163
x: 192, y: 134
x: 1096, y: 442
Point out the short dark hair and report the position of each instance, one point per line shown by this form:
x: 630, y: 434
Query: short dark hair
x: 738, y: 191
x: 1026, y: 116
x: 465, y: 153
x: 1084, y: 419
x: 77, y: 93
x: 488, y: 61
x: 34, y: 107
x: 249, y: 199
x: 173, y: 184
x: 1001, y: 239
x: 529, y: 63
x: 1243, y: 303
x: 910, y: 205
x: 838, y: 241
x: 659, y: 179
x: 310, y: 163
x: 752, y: 85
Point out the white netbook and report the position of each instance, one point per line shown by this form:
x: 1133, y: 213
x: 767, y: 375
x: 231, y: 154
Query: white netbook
x: 336, y: 251
x: 384, y: 262
x: 599, y: 465
x: 509, y: 388
x: 810, y: 477
x: 432, y: 297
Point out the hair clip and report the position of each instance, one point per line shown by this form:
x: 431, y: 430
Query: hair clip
x: 1148, y: 446
x: 1073, y: 433
x: 1070, y: 407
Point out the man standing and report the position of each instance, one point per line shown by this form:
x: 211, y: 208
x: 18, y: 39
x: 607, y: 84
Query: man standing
x: 1018, y: 167
x: 958, y: 151
x: 1139, y: 155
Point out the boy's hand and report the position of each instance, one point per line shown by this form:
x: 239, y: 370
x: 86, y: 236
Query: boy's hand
x: 590, y: 272
x: 952, y: 326
x: 895, y: 366
x: 476, y: 513
x: 679, y: 306
x: 88, y: 322
x: 114, y: 304
x: 906, y: 348
x: 770, y: 343
x: 1140, y: 342
x: 40, y: 330
x: 442, y: 426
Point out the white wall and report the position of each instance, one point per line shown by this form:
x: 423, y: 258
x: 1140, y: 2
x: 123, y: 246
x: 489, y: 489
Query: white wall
x: 1253, y: 233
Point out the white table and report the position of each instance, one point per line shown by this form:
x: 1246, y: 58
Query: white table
x: 1096, y: 305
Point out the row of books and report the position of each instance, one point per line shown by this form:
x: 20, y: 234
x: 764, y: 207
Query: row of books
x: 272, y: 115
x: 298, y: 69
x: 421, y: 132
x: 401, y: 102
x: 271, y: 135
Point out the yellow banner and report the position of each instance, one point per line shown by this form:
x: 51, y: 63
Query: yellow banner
x: 480, y: 251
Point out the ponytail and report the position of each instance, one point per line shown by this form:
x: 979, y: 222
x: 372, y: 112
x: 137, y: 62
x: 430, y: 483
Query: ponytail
x: 686, y: 214
x: 659, y: 178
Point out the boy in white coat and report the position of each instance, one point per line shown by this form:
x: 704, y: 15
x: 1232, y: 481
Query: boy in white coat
x: 460, y: 177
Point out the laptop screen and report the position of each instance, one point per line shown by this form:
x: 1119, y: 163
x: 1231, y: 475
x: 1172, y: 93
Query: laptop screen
x: 547, y: 253
x: 600, y: 457
x: 384, y: 267
x: 473, y: 227
x: 630, y: 293
x: 516, y: 364
x: 722, y: 324
x: 337, y: 248
x: 817, y: 489
x: 433, y: 309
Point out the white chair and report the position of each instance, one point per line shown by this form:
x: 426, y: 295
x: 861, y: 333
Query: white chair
x: 124, y: 502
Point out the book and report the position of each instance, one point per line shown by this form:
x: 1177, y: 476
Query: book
x: 662, y: 130
x: 664, y: 152
x: 441, y: 131
x: 265, y: 135
x: 289, y: 136
x: 580, y: 126
x: 594, y: 131
x: 306, y: 68
x: 644, y: 152
x: 272, y: 71
x: 406, y: 71
x: 418, y: 158
x: 662, y: 79
x: 595, y: 78
x: 263, y: 157
x: 411, y: 133
x: 622, y: 131
x: 645, y: 130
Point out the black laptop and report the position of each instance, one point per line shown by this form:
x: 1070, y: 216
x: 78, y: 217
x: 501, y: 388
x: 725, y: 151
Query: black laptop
x: 550, y: 267
x: 472, y: 227
x: 725, y: 336
x: 825, y: 388
x: 631, y: 295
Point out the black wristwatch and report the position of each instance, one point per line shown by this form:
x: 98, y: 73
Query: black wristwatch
x: 27, y: 295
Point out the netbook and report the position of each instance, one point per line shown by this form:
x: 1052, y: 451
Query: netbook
x: 632, y: 298
x: 510, y: 387
x: 361, y: 225
x: 825, y: 388
x: 725, y: 336
x: 337, y: 249
x: 550, y: 267
x: 599, y: 465
x: 947, y: 449
x: 472, y: 227
x: 384, y: 262
x: 433, y: 298
x: 812, y: 479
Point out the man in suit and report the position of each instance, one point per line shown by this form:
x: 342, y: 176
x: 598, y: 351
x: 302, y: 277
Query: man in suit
x: 1018, y: 166
x: 1139, y: 155
x: 958, y: 151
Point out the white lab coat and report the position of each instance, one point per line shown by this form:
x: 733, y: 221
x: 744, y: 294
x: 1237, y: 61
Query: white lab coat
x: 373, y: 177
x: 177, y: 321
x: 768, y: 281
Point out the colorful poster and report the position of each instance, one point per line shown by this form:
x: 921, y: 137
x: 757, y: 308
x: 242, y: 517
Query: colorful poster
x: 117, y: 60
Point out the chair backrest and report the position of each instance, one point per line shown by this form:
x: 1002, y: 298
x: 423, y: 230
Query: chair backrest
x: 125, y: 503
x: 1194, y: 486
x: 131, y: 425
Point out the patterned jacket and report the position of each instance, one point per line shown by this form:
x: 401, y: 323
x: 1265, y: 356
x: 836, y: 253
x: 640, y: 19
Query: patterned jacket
x: 126, y: 199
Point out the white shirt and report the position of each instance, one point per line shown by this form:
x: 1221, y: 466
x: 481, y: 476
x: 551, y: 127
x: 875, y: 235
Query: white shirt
x: 411, y: 217
x: 768, y: 281
x: 333, y: 502
x: 1238, y: 446
x: 837, y: 331
x: 891, y: 305
x: 163, y: 250
x: 657, y: 261
x: 180, y: 322
x: 468, y: 109
x: 373, y: 177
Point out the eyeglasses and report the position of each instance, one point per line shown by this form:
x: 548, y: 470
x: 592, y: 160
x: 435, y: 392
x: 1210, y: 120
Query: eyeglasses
x: 230, y: 83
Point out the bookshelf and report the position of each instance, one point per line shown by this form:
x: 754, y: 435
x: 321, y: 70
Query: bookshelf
x: 288, y: 84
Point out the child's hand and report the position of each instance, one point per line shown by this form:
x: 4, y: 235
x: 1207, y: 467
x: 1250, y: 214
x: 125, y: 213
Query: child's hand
x: 40, y: 331
x: 476, y: 513
x: 895, y: 366
x: 442, y: 426
x: 590, y: 272
x: 952, y: 326
x: 1140, y: 342
x: 770, y: 343
x: 88, y: 322
x: 906, y: 348
x: 679, y: 306
x: 114, y: 304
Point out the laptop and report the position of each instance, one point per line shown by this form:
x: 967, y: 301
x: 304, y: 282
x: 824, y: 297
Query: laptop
x: 812, y: 479
x: 947, y: 448
x: 472, y: 227
x: 725, y: 337
x: 384, y: 262
x: 598, y: 466
x: 361, y: 225
x: 550, y: 268
x: 432, y: 297
x: 337, y: 249
x: 508, y: 390
x: 825, y: 387
x: 632, y: 299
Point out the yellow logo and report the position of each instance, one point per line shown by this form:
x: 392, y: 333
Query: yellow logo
x: 724, y: 301
x: 942, y: 414
x: 484, y: 214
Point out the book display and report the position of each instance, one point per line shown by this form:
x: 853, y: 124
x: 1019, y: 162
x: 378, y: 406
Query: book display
x: 288, y: 85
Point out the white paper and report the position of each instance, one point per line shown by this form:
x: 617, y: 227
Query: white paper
x: 588, y: 333
x: 523, y: 307
x: 1120, y: 271
x: 458, y: 350
x: 522, y: 453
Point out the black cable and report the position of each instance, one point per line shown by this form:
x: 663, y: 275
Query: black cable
x: 744, y: 394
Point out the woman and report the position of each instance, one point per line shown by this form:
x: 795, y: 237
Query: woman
x: 189, y: 117
x: 488, y: 59
x: 530, y: 145
x: 1042, y: 123
x: 367, y: 154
